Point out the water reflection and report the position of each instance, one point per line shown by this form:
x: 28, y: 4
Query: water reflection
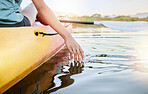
x: 66, y: 80
x: 42, y: 79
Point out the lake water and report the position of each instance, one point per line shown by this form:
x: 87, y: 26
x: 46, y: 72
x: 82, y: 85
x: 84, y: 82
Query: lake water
x: 116, y: 62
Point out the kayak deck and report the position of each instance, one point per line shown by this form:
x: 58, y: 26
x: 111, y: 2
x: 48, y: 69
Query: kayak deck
x: 22, y: 52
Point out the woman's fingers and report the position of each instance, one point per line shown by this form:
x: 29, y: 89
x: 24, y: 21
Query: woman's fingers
x: 78, y: 54
x: 75, y: 55
x: 71, y: 52
x: 75, y: 51
x: 71, y: 56
x: 82, y: 53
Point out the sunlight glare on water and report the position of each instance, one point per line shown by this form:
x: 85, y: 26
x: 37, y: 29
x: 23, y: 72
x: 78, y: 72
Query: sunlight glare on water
x: 115, y: 62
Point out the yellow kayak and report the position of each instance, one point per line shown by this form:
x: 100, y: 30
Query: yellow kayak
x: 43, y: 77
x: 23, y: 49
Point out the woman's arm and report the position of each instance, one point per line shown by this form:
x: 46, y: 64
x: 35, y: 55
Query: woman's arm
x: 46, y: 15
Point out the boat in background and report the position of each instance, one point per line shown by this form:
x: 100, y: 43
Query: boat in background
x: 23, y: 49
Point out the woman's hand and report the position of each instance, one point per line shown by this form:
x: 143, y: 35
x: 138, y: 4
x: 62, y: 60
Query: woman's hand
x: 74, y: 49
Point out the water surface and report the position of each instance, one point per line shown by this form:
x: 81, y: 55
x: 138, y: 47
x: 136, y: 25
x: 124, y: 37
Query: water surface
x: 115, y: 63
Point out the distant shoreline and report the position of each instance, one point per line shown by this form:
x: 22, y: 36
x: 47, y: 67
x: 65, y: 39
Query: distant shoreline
x: 118, y: 18
x: 90, y: 18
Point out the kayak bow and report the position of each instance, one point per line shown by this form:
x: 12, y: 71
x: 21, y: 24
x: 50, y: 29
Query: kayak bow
x: 22, y: 51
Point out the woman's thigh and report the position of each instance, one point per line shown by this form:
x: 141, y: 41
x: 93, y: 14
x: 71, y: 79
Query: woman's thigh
x: 30, y: 12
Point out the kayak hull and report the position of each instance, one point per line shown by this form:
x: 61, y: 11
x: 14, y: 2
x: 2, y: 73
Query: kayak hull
x: 21, y: 52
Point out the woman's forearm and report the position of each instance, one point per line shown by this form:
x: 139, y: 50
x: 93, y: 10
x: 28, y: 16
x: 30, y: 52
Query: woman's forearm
x: 54, y: 23
x: 45, y: 14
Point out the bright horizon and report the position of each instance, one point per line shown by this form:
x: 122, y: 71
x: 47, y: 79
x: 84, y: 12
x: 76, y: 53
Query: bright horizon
x: 104, y: 7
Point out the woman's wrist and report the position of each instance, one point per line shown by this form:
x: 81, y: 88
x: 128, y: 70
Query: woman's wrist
x: 66, y: 35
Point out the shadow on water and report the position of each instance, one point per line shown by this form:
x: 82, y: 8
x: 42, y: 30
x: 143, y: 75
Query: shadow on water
x: 41, y: 80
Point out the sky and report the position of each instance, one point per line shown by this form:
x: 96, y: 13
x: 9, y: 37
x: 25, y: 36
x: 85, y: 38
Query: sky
x: 104, y: 7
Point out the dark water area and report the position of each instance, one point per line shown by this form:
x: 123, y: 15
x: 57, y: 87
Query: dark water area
x: 116, y: 62
x: 42, y: 78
